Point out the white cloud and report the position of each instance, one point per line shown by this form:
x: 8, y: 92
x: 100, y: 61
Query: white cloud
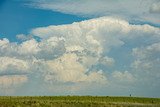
x: 89, y: 41
x: 74, y: 48
x: 155, y: 8
x: 107, y: 61
x: 146, y: 64
x: 128, y: 9
x: 94, y: 34
x: 152, y: 51
x: 4, y: 41
x: 68, y: 69
x: 73, y: 54
x: 123, y: 77
x: 51, y: 47
x: 23, y: 37
x: 29, y: 47
x: 13, y: 64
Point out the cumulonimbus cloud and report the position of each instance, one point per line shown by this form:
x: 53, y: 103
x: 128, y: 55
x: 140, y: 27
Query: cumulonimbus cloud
x: 83, y: 54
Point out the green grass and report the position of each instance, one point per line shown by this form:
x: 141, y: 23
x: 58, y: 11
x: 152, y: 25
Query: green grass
x: 78, y: 101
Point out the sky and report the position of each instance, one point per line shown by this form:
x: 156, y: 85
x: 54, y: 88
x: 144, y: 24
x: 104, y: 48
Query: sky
x: 83, y: 47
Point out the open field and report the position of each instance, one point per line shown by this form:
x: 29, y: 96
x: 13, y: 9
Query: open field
x: 78, y: 101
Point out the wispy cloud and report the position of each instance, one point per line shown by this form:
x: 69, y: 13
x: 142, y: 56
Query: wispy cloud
x: 147, y: 10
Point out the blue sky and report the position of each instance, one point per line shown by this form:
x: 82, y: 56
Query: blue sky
x: 84, y: 47
x: 17, y: 18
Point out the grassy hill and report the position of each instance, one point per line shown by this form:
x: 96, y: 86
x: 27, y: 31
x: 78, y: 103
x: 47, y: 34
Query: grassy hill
x: 78, y: 101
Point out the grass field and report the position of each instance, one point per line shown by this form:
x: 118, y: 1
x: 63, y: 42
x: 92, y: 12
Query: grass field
x: 78, y: 101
